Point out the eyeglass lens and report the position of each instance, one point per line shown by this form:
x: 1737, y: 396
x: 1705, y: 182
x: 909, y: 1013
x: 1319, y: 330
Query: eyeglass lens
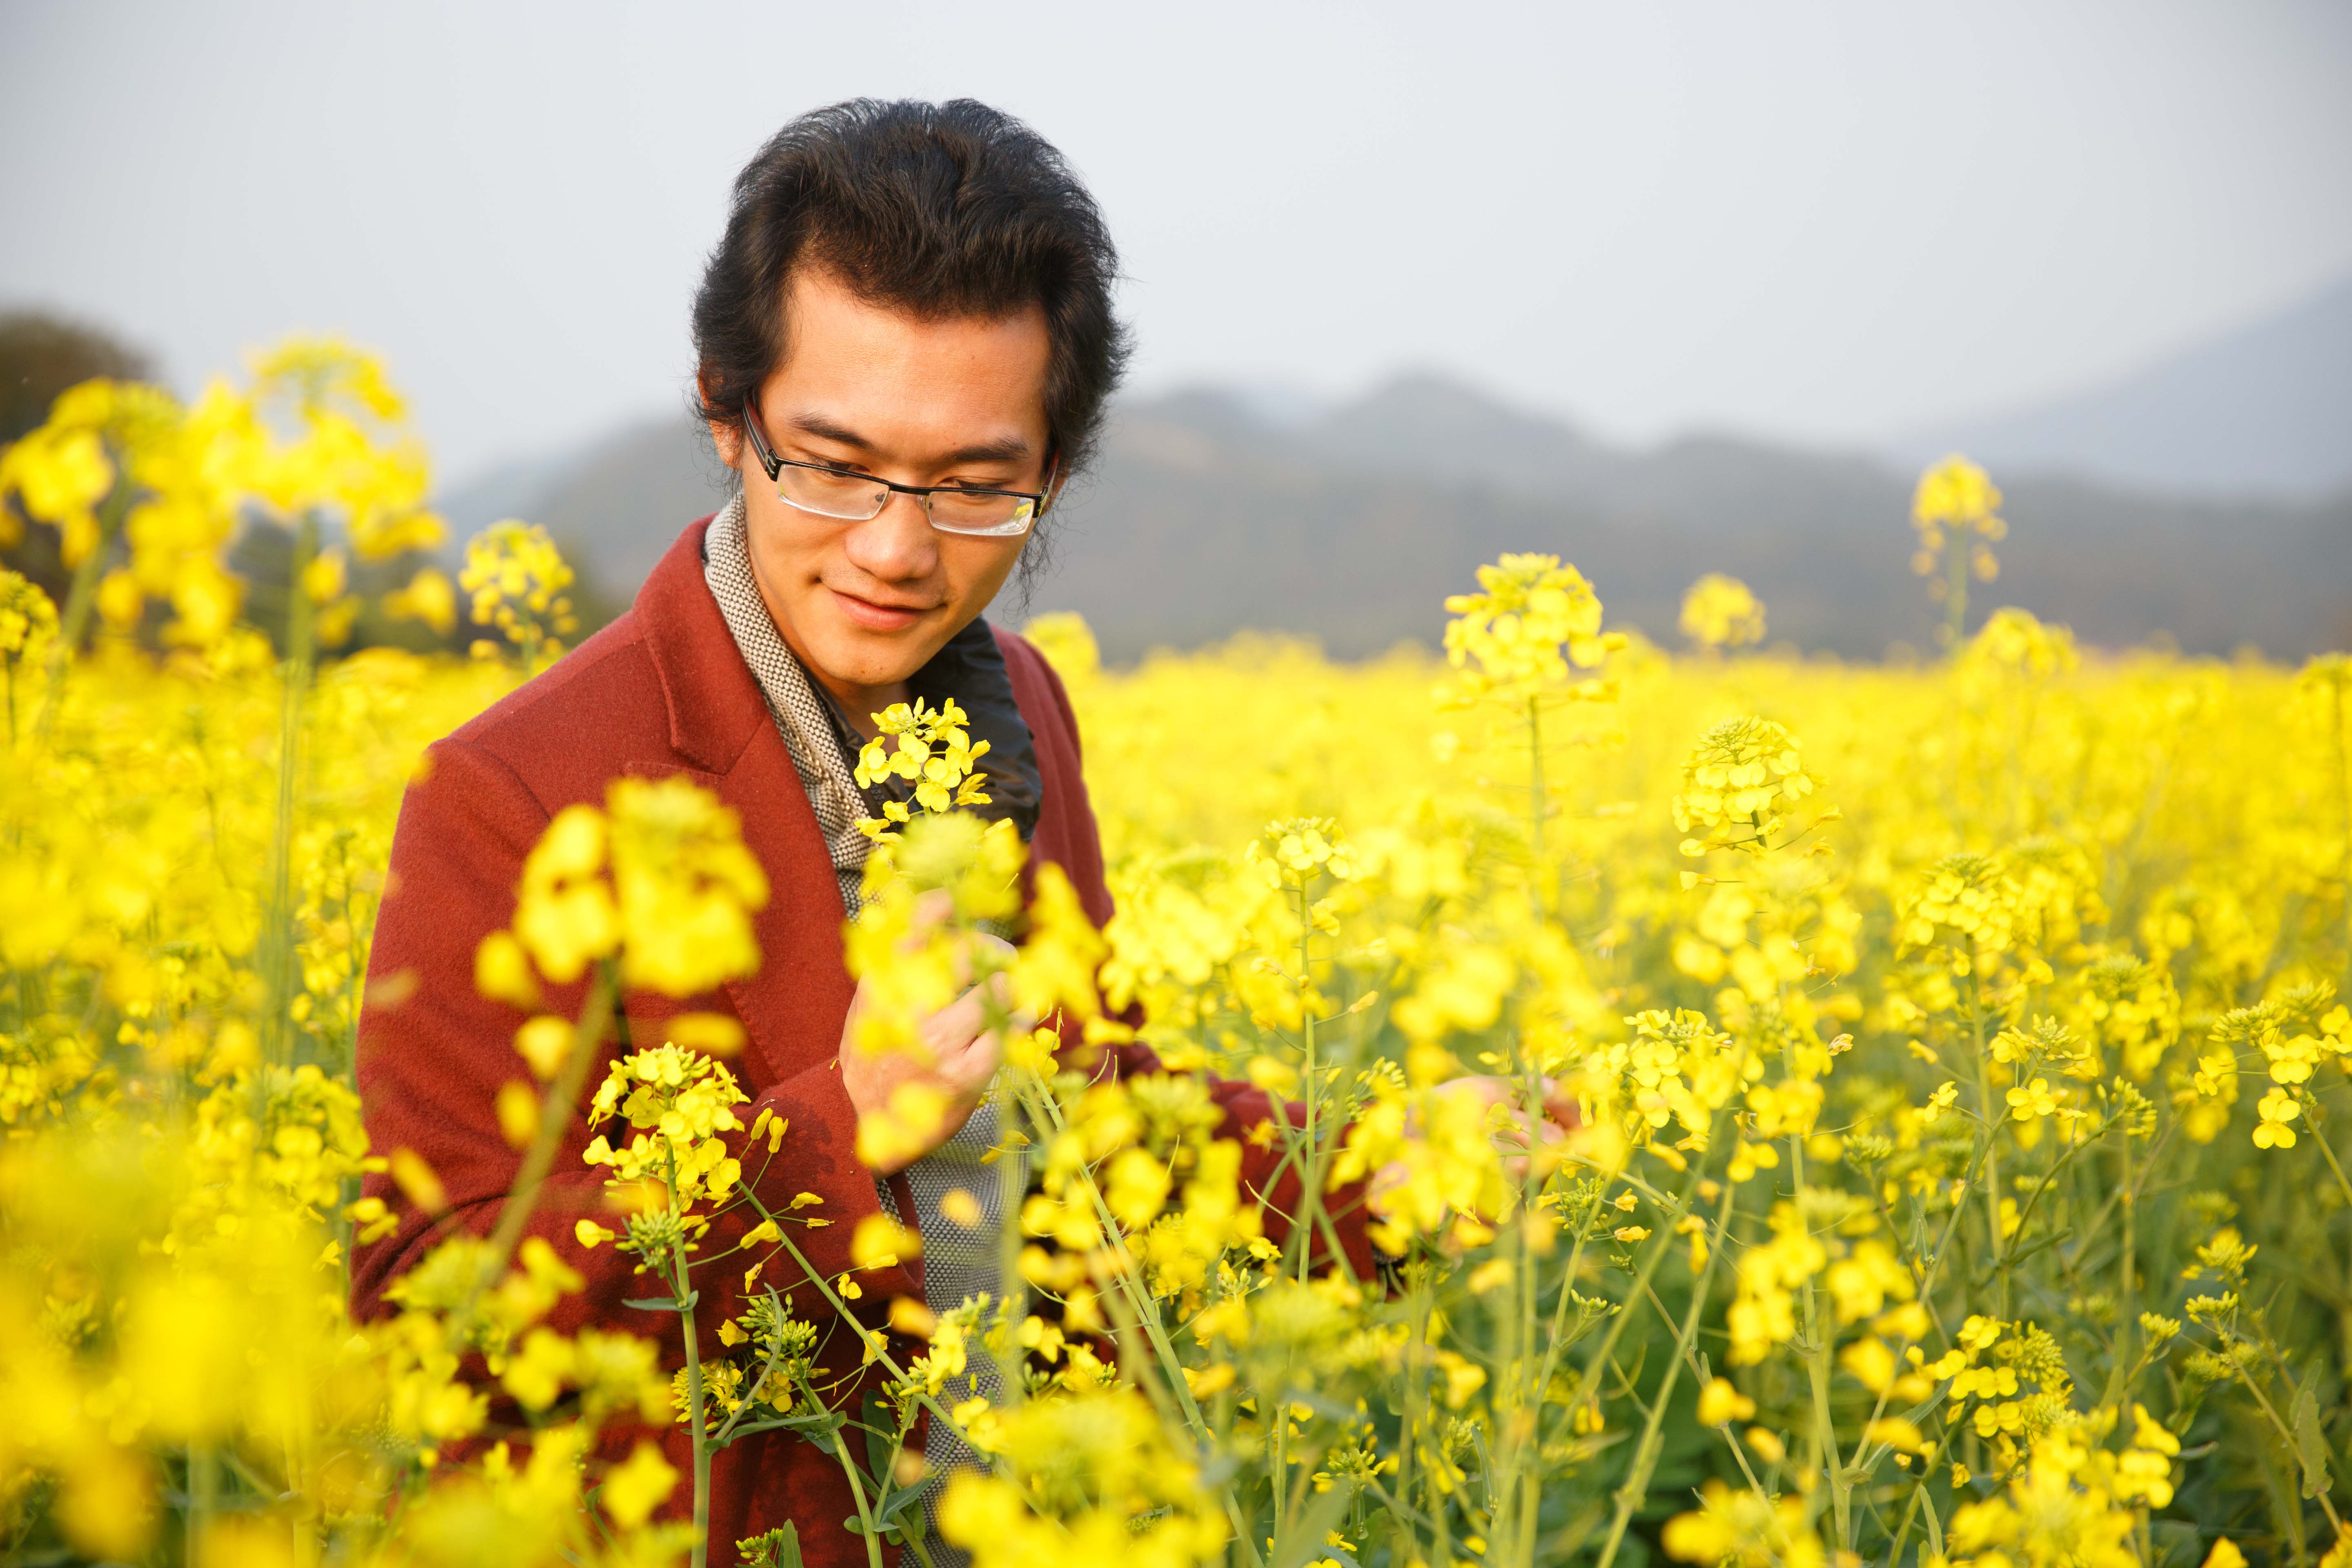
x: 855, y: 498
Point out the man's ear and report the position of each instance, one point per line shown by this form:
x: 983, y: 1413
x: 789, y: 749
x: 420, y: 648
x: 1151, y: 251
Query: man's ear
x: 728, y: 438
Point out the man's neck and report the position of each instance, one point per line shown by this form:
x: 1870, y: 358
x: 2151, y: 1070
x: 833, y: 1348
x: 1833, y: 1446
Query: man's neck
x: 859, y: 702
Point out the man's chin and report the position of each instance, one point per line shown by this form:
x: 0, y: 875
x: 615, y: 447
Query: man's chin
x: 853, y: 656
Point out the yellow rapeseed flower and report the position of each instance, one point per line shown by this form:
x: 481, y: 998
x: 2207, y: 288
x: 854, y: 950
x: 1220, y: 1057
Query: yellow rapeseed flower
x: 1721, y: 612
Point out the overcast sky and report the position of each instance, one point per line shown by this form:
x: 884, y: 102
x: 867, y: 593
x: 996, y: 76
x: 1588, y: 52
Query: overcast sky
x: 1819, y: 221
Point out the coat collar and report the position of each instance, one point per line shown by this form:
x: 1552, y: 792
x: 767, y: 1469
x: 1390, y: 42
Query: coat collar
x: 715, y: 706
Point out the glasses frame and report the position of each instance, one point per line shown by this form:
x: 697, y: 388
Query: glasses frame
x: 1038, y: 500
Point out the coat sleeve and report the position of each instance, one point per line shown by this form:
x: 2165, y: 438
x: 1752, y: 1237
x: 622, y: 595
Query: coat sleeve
x: 1068, y: 837
x: 434, y: 1054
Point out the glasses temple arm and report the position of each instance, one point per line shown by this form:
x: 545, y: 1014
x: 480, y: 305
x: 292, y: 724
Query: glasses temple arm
x: 759, y: 440
x: 1046, y: 491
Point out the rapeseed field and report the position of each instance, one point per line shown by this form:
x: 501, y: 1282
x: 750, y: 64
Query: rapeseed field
x: 1957, y: 1051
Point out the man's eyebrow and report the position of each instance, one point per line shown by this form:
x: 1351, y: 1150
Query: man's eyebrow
x: 824, y: 429
x: 1005, y: 449
x: 1009, y: 448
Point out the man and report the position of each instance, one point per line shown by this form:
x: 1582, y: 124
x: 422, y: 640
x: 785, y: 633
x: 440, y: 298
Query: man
x: 905, y: 341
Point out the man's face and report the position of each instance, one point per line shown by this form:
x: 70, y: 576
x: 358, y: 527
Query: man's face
x: 959, y: 400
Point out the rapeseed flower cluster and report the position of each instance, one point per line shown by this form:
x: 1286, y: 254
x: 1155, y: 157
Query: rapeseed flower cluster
x: 1738, y: 783
x: 1720, y: 612
x: 1534, y: 618
x: 929, y: 748
x: 1956, y: 510
x: 515, y: 579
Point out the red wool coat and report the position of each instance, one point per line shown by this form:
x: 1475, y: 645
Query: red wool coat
x: 663, y: 691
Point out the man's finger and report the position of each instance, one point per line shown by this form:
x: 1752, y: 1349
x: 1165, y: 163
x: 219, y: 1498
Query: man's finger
x: 933, y: 909
x: 971, y: 1069
x: 954, y: 1026
x: 979, y: 944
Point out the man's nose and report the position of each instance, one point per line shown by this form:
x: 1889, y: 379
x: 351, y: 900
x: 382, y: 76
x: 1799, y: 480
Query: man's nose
x: 896, y: 544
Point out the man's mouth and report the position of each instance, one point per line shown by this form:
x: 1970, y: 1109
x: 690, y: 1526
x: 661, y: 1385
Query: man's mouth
x: 876, y: 616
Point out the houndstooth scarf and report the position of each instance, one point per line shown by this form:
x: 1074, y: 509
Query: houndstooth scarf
x: 957, y: 1263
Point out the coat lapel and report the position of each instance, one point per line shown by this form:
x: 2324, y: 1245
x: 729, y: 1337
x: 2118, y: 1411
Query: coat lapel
x: 793, y: 1007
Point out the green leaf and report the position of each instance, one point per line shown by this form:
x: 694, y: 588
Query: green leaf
x: 1305, y: 1539
x: 2310, y: 1443
x: 817, y: 1429
x: 664, y: 1303
x: 895, y: 1503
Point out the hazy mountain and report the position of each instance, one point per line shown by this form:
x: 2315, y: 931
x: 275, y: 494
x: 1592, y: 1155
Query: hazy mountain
x: 1353, y: 527
x: 1207, y: 515
x: 2265, y: 410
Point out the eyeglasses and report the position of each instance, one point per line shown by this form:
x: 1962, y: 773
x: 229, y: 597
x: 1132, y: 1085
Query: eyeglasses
x: 850, y: 497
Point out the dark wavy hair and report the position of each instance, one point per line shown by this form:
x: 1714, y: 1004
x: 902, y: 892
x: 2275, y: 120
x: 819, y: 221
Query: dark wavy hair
x: 941, y: 209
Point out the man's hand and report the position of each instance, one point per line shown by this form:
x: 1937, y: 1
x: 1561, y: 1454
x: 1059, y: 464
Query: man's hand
x: 960, y: 1057
x: 1559, y: 1112
x: 1559, y: 1115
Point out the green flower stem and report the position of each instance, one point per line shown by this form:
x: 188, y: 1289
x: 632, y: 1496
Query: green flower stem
x: 1991, y: 1115
x: 2148, y: 1169
x: 1557, y: 1341
x: 915, y: 1539
x: 1536, y: 805
x: 1656, y: 1255
x: 1956, y: 590
x: 277, y: 938
x: 1182, y: 1392
x: 1818, y: 1336
x: 556, y: 1110
x: 2127, y: 1288
x: 1145, y: 1310
x: 1278, y: 1485
x: 203, y: 1498
x: 2285, y: 1433
x: 1518, y: 1506
x: 1645, y: 1453
x: 857, y: 1495
x: 1133, y: 1345
x: 1920, y: 1500
x: 1422, y: 1299
x: 697, y: 1428
x: 1310, y: 1195
x: 1699, y: 1372
x: 2327, y: 1151
x: 1515, y: 1499
x: 1011, y: 1285
x: 727, y: 1427
x: 82, y: 598
x: 1128, y: 1277
x: 881, y: 1355
x: 1304, y: 1148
